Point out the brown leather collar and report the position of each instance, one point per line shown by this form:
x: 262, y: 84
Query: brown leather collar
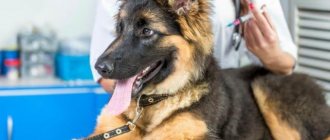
x: 144, y: 101
x: 148, y: 100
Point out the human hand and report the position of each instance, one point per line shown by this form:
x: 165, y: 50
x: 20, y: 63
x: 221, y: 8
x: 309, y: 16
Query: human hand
x: 261, y: 37
x: 263, y: 41
x: 108, y: 85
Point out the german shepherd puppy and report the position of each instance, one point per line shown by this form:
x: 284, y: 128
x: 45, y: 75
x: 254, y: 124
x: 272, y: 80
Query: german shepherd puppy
x: 165, y: 47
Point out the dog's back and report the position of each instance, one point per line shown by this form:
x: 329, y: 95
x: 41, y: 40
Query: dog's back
x: 252, y: 103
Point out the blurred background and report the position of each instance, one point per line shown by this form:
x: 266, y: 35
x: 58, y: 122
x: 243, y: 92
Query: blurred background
x: 46, y: 86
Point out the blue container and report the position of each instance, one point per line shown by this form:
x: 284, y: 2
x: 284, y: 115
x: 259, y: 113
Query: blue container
x: 73, y: 67
x: 43, y: 113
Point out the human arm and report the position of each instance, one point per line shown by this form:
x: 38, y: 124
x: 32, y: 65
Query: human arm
x: 107, y: 84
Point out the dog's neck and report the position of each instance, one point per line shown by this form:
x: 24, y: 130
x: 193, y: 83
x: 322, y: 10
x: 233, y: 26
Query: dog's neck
x: 154, y: 115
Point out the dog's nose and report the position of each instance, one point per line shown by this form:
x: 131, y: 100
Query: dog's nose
x: 104, y: 68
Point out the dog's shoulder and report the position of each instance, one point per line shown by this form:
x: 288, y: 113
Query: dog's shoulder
x: 230, y: 103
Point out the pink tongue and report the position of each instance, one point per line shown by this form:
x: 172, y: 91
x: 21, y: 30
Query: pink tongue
x: 121, y: 97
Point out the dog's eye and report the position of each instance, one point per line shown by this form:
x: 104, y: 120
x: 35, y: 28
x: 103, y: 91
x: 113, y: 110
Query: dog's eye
x: 147, y: 32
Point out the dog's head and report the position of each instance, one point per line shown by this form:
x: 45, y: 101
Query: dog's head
x: 161, y: 45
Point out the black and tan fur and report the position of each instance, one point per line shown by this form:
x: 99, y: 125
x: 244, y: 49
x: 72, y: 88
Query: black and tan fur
x: 236, y: 104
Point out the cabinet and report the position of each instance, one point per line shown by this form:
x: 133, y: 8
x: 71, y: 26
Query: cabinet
x: 60, y: 112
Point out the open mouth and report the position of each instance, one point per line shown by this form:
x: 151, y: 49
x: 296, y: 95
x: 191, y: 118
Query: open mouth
x: 146, y: 75
x: 128, y: 88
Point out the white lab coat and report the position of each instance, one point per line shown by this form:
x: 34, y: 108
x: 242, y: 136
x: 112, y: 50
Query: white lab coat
x: 223, y: 13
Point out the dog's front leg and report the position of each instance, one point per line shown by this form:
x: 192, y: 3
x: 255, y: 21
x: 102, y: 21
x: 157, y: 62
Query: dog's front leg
x: 183, y: 126
x: 107, y: 122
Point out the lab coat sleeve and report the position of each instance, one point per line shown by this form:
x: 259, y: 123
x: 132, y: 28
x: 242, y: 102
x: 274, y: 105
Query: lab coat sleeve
x: 103, y: 32
x: 275, y: 10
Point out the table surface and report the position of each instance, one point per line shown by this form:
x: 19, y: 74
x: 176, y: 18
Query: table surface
x: 5, y: 83
x: 47, y: 86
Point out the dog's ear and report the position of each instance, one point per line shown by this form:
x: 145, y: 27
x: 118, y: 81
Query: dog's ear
x: 184, y: 7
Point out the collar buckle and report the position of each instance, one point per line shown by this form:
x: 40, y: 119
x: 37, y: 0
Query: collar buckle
x: 131, y: 125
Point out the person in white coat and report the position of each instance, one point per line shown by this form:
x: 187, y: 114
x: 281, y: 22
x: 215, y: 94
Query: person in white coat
x: 265, y: 40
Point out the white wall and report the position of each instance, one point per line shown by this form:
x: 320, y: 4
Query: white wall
x: 70, y: 18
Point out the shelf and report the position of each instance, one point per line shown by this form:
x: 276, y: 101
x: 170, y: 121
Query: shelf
x: 47, y: 87
x: 50, y: 82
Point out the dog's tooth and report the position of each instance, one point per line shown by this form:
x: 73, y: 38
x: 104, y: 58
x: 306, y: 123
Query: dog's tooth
x: 146, y: 70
